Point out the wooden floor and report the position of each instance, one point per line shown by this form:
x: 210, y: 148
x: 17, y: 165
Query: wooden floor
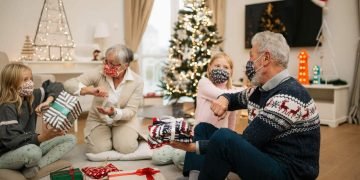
x: 339, y: 151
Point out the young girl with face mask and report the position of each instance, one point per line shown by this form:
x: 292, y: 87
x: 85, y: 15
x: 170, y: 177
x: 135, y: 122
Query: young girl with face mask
x: 217, y: 82
x: 21, y: 148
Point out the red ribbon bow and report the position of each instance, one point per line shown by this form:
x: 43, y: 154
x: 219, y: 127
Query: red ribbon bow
x: 148, y: 172
x: 71, y: 173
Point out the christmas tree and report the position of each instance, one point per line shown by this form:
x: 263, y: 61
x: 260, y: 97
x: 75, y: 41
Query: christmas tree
x: 27, y: 51
x: 53, y: 40
x: 194, y: 40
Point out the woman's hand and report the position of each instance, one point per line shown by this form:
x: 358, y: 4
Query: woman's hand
x: 220, y: 106
x: 49, y: 132
x: 95, y: 91
x: 106, y: 110
x: 189, y: 147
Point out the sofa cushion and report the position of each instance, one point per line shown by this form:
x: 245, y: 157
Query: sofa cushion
x: 143, y: 152
x: 8, y: 174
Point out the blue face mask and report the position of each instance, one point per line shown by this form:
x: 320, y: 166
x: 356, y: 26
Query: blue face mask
x: 219, y: 76
x: 250, y: 68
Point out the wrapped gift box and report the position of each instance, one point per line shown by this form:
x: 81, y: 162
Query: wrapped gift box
x: 139, y: 174
x: 100, y: 171
x: 71, y: 174
x: 63, y: 111
x: 168, y: 129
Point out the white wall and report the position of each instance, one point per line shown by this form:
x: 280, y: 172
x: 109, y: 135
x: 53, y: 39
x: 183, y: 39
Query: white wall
x: 343, y: 23
x: 20, y: 17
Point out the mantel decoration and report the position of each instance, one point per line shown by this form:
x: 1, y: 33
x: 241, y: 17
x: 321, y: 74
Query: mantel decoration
x: 53, y: 40
x: 195, y: 38
x: 303, y: 72
x: 28, y: 50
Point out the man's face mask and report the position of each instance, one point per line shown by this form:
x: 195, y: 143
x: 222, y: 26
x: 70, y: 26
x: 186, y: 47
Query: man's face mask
x: 219, y: 76
x: 250, y: 68
x: 26, y: 88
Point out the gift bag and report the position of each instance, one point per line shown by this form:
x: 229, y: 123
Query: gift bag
x: 63, y: 111
x: 70, y: 174
x: 139, y: 174
x: 99, y: 172
x: 168, y: 129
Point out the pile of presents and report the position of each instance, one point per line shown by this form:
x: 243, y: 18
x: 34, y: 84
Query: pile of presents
x: 66, y: 109
x: 108, y: 171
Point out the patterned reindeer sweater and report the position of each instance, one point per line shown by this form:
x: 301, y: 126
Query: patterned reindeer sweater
x: 284, y: 123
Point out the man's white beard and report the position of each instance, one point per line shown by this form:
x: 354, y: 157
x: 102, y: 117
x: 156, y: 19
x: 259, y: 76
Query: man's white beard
x: 256, y: 79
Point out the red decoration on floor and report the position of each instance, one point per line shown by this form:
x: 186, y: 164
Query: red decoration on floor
x: 148, y: 172
x: 99, y: 172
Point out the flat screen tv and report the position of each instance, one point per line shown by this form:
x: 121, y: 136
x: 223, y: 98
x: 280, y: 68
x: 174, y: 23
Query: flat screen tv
x: 298, y: 20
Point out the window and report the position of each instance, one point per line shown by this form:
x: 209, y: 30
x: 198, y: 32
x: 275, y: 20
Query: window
x: 153, y: 49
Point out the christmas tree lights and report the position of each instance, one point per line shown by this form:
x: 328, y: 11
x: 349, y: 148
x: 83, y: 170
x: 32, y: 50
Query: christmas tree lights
x: 194, y: 40
x: 53, y: 40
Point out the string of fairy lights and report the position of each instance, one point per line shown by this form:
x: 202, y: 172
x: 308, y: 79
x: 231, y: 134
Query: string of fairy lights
x: 53, y: 40
x: 191, y: 46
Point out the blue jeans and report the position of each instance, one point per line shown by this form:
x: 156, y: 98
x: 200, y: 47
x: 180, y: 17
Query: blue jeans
x: 228, y: 151
x: 193, y: 161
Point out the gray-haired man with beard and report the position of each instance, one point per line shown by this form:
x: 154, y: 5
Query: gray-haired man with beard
x: 282, y: 140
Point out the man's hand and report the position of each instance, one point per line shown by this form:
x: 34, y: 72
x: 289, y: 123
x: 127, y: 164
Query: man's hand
x: 95, y: 91
x: 189, y: 147
x: 220, y: 106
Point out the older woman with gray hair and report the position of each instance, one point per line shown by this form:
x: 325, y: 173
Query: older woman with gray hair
x: 112, y: 122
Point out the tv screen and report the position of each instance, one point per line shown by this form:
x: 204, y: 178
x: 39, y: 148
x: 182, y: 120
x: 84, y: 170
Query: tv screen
x: 298, y: 20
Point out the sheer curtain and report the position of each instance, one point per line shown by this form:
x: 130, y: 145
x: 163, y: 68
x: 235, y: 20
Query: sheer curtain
x: 218, y: 7
x: 354, y: 114
x: 136, y: 15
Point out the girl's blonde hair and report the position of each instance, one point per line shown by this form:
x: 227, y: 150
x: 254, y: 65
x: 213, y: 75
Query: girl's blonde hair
x: 11, y: 78
x: 228, y: 60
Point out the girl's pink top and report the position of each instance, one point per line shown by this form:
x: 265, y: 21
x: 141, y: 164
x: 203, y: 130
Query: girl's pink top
x: 207, y: 92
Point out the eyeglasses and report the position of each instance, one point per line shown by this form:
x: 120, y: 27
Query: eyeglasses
x: 110, y: 64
